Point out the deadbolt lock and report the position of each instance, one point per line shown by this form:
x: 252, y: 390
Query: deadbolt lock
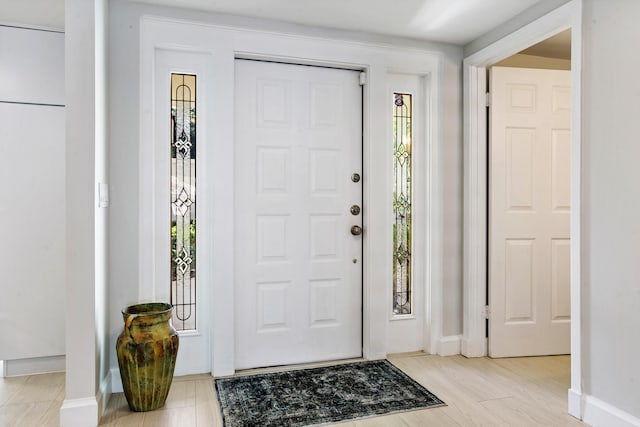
x: 355, y: 177
x: 355, y: 210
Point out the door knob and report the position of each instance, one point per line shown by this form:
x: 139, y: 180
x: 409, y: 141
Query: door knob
x: 356, y: 230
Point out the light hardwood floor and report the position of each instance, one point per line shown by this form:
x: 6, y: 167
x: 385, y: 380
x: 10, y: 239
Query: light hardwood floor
x: 478, y: 392
x: 32, y: 400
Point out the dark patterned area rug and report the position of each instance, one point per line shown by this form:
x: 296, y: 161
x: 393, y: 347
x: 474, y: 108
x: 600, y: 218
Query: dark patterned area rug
x: 319, y: 395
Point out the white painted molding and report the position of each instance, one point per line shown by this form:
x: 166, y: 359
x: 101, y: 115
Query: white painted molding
x: 576, y: 190
x: 116, y: 381
x: 601, y: 414
x: 434, y: 245
x: 79, y: 412
x: 475, y: 212
x: 475, y: 348
x: 449, y: 345
x: 35, y: 365
x: 575, y: 403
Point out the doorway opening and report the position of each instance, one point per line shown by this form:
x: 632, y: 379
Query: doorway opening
x: 529, y: 201
x: 474, y: 340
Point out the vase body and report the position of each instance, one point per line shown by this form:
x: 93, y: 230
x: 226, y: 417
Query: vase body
x: 147, y: 349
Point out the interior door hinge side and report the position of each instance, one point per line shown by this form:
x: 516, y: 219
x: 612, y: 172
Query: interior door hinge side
x: 486, y: 312
x: 363, y: 78
x: 487, y: 99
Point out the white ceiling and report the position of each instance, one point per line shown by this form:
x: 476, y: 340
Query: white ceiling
x: 451, y: 21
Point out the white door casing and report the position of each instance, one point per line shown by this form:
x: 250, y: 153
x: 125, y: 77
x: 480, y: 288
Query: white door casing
x: 194, y: 355
x: 298, y: 287
x: 529, y: 193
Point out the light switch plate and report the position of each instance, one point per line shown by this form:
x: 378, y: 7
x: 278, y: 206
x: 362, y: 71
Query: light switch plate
x: 103, y: 195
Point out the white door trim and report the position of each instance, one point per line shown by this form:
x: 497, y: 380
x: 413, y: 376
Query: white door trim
x: 475, y: 176
x: 225, y: 44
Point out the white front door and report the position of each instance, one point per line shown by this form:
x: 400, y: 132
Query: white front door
x: 298, y: 142
x: 529, y: 297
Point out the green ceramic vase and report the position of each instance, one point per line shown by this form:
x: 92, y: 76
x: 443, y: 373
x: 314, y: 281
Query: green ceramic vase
x: 147, y: 349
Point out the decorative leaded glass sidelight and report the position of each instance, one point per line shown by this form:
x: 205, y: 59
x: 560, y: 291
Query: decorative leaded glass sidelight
x: 183, y: 200
x: 402, y: 198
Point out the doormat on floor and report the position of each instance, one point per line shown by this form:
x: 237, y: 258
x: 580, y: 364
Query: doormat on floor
x: 320, y: 395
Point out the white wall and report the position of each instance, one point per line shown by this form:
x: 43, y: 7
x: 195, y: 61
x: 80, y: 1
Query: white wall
x: 451, y: 122
x: 32, y: 194
x: 125, y: 135
x: 611, y: 229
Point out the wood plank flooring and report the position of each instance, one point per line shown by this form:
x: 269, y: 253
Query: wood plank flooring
x: 518, y: 392
x: 32, y: 400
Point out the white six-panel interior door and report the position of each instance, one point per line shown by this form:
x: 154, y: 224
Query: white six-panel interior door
x: 529, y: 210
x: 298, y: 285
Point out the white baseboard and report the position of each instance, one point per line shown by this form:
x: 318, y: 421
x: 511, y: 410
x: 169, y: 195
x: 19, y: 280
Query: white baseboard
x: 575, y: 403
x: 471, y: 348
x: 449, y: 345
x: 82, y: 412
x: 79, y: 412
x: 116, y: 381
x: 601, y: 414
x: 34, y: 365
